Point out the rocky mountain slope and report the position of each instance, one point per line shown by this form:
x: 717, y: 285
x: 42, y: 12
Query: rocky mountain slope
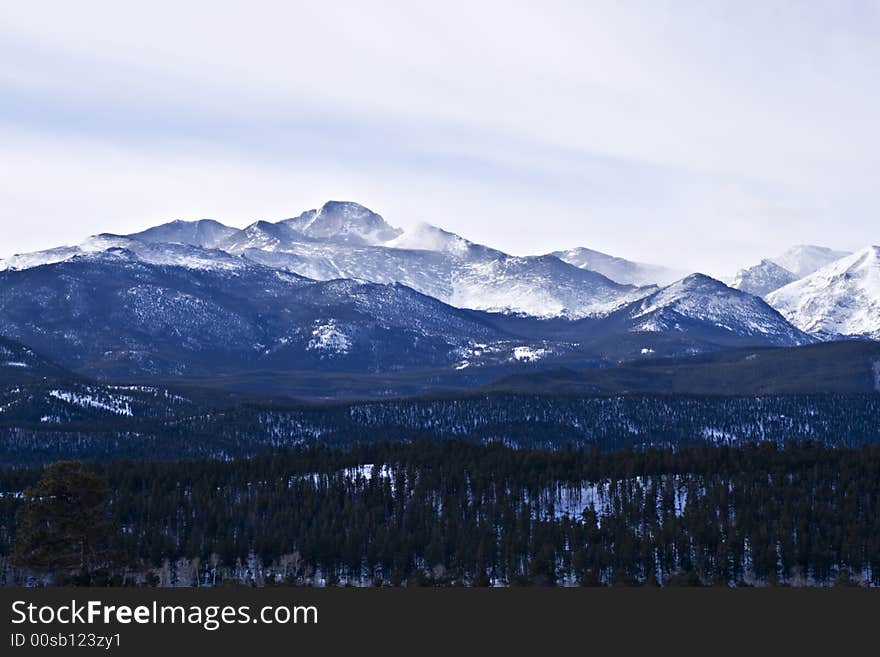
x: 763, y: 278
x: 840, y: 299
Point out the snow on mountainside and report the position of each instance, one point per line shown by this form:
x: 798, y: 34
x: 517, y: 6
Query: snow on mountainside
x: 94, y: 244
x: 263, y: 236
x: 427, y: 272
x: 111, y: 314
x: 699, y: 303
x: 804, y: 259
x: 425, y: 237
x: 347, y: 240
x: 108, y: 246
x: 619, y: 270
x: 762, y: 278
x: 344, y: 240
x: 345, y: 222
x: 428, y: 259
x: 542, y: 286
x: 206, y: 233
x: 464, y: 275
x: 840, y: 299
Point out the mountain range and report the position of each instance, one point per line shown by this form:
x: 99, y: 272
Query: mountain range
x: 337, y: 301
x: 345, y: 240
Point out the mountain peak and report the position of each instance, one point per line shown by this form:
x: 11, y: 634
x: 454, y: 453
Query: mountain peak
x: 263, y: 235
x: 697, y: 277
x: 205, y: 233
x: 701, y: 304
x: 803, y: 259
x: 763, y: 278
x: 263, y: 225
x: 691, y: 286
x: 697, y: 281
x: 350, y: 207
x: 346, y: 222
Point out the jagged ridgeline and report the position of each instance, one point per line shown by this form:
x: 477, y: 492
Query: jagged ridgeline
x: 276, y: 306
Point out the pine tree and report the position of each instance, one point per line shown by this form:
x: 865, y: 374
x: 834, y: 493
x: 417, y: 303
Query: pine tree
x: 62, y: 527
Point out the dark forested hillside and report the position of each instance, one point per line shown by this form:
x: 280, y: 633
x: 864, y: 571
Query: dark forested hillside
x: 456, y: 513
x: 849, y: 366
x: 21, y: 364
x: 109, y: 422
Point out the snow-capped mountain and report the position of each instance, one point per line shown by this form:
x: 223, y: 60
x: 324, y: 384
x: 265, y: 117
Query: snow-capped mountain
x: 702, y: 306
x: 345, y: 222
x: 763, y: 278
x: 348, y: 241
x: 804, y: 259
x: 840, y: 299
x: 619, y: 270
x: 206, y: 233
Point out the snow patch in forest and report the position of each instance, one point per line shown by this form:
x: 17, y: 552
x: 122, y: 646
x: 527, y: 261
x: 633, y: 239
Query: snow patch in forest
x: 719, y: 436
x: 328, y: 337
x: 528, y: 354
x: 115, y: 405
x: 571, y: 500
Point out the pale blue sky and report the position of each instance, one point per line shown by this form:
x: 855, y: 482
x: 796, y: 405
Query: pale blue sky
x: 699, y: 134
